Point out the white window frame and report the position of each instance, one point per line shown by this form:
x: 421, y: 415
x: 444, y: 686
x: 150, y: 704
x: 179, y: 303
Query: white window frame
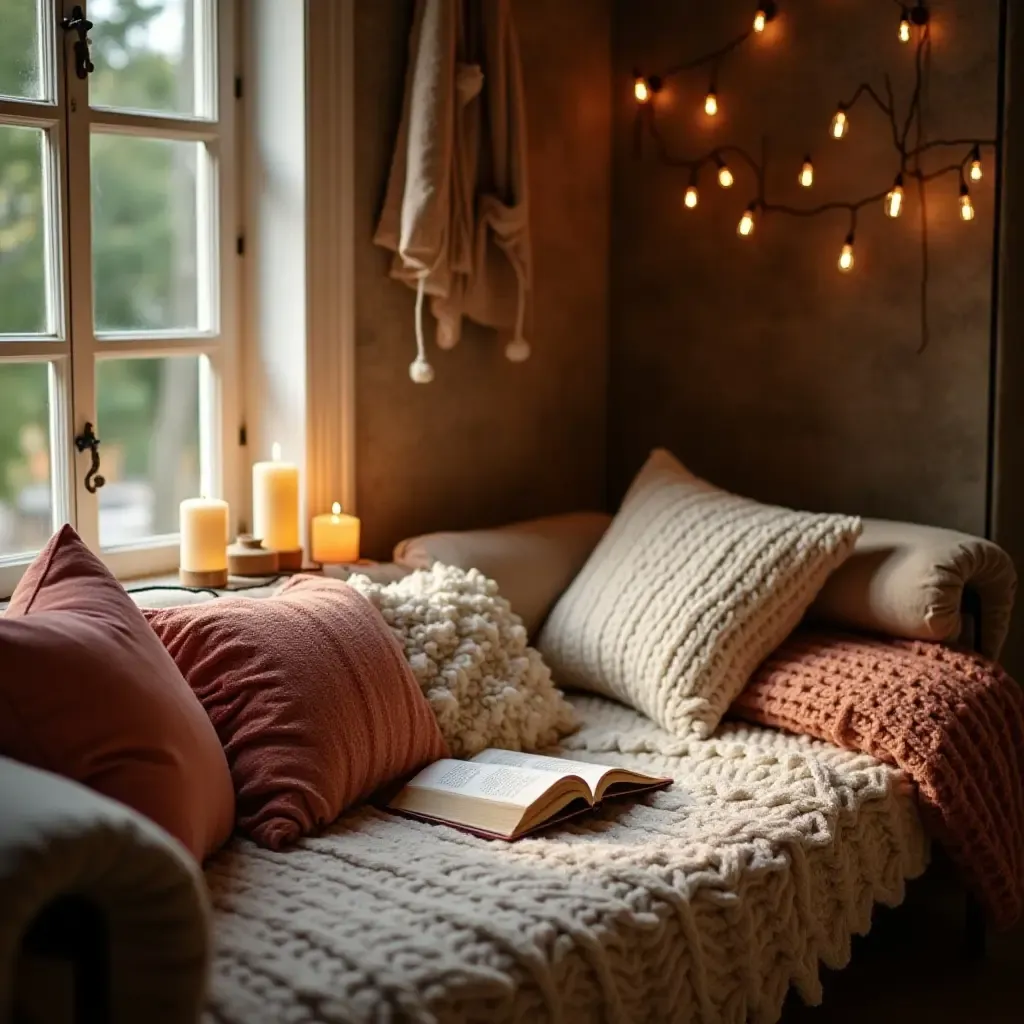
x: 72, y: 347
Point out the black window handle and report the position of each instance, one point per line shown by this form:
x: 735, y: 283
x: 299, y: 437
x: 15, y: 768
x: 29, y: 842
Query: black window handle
x: 77, y: 22
x: 88, y: 440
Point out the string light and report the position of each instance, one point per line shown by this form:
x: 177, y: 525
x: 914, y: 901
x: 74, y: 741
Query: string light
x: 894, y: 200
x: 806, y: 176
x: 914, y: 15
x: 966, y: 206
x: 840, y: 124
x: 765, y: 12
x: 846, y: 255
x: 905, y: 26
x: 976, y: 172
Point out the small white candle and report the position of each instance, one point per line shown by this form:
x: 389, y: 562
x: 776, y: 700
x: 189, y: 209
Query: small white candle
x: 204, y: 535
x: 335, y: 537
x: 275, y: 503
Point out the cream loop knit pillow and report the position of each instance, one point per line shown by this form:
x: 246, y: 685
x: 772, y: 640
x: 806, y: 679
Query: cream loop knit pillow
x: 469, y: 653
x: 688, y: 591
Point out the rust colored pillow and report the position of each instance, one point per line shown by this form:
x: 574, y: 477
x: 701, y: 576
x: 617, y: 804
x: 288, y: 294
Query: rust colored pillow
x: 311, y: 696
x: 87, y: 691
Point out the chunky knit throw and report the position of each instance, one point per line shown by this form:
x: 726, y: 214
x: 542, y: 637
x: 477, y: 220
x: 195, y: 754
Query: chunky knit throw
x: 953, y: 721
x: 699, y: 904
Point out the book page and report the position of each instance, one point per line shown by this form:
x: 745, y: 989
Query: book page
x: 500, y: 782
x: 590, y: 773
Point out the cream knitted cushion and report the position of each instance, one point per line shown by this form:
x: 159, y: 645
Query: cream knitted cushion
x: 688, y: 591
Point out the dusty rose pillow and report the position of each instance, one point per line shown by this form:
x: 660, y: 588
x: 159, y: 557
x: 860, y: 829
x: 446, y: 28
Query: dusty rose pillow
x: 87, y: 691
x: 311, y: 696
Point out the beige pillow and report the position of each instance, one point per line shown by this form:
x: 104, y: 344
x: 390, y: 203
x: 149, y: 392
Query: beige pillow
x: 532, y: 562
x: 688, y: 591
x: 909, y: 581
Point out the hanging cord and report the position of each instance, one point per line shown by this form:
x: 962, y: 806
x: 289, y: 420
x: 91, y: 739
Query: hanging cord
x: 518, y: 349
x: 420, y: 371
x: 269, y: 581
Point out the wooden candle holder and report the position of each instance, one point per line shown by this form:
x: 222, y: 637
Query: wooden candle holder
x: 248, y: 557
x: 217, y: 579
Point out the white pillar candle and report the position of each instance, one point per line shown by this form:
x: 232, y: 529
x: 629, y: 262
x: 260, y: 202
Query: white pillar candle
x: 204, y: 535
x: 335, y: 537
x: 275, y: 503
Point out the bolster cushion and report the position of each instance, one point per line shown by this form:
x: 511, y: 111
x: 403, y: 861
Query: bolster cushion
x: 532, y: 562
x: 909, y: 581
x: 59, y: 839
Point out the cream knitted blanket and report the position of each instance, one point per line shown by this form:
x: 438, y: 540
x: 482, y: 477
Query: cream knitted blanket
x: 703, y: 902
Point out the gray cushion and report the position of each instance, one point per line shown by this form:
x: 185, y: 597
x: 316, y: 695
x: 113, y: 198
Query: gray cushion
x: 532, y: 562
x: 58, y: 839
x: 907, y: 580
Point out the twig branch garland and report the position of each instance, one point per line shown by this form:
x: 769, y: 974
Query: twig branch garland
x: 969, y: 168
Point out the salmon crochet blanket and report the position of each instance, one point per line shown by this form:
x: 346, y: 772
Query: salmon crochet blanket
x: 953, y: 721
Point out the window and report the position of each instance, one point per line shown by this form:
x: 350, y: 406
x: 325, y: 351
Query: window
x: 118, y: 270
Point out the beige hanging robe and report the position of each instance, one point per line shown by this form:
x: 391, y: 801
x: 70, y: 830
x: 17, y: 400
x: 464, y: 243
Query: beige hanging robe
x: 456, y: 213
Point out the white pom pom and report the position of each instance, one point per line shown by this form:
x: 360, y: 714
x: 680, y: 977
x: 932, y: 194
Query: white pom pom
x: 517, y: 351
x: 420, y: 371
x: 446, y: 335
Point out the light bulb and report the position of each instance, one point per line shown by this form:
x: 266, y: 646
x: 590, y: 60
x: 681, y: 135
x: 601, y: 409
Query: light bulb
x: 846, y: 255
x: 711, y: 103
x: 725, y: 178
x: 840, y: 124
x: 766, y: 12
x: 894, y: 200
x: 966, y: 206
x: 905, y: 26
x: 641, y: 91
x: 976, y: 172
x: 690, y: 198
x: 806, y: 176
x: 746, y: 224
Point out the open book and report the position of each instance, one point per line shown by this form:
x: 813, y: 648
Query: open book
x: 502, y: 794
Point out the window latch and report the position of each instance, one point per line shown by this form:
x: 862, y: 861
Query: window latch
x: 87, y: 440
x: 76, y: 21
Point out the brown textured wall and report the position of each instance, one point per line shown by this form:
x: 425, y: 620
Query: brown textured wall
x: 755, y: 360
x: 490, y: 441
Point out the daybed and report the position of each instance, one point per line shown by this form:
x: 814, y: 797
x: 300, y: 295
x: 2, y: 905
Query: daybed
x: 706, y: 901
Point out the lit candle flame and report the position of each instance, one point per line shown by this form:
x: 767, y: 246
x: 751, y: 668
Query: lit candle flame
x: 275, y: 452
x: 336, y: 509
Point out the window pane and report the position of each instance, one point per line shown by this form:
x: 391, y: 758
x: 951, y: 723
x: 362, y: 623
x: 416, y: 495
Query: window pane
x: 20, y: 65
x: 22, y: 231
x: 148, y: 420
x: 26, y: 500
x: 144, y: 233
x: 146, y: 55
